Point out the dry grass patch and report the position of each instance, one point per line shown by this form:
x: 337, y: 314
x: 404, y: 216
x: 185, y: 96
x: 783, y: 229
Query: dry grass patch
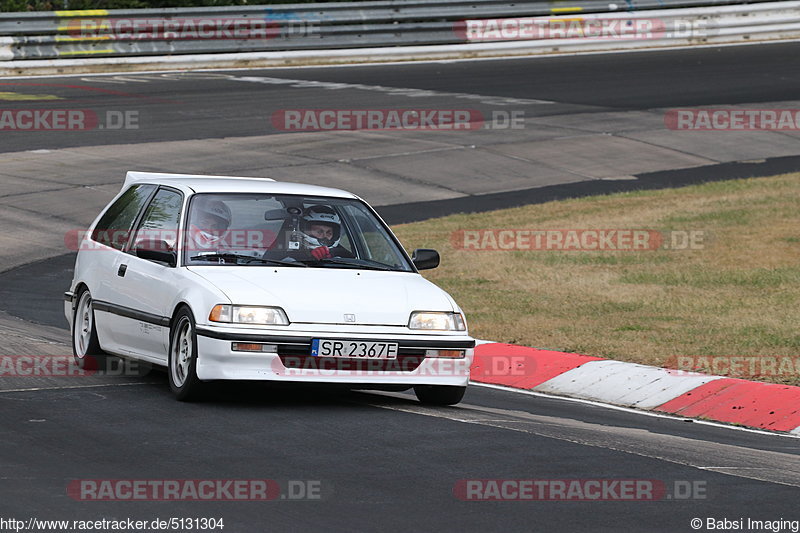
x: 737, y: 296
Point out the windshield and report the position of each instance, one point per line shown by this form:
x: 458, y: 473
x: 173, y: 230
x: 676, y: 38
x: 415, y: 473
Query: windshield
x: 287, y: 230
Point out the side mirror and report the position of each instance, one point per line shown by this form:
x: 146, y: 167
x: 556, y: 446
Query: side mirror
x: 424, y: 258
x: 156, y: 250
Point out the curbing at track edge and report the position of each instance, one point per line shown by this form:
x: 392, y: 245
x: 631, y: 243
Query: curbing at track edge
x: 753, y: 404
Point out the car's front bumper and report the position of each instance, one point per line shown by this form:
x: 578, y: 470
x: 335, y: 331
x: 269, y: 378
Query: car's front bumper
x: 293, y: 362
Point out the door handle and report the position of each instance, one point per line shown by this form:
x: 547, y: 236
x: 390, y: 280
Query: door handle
x: 122, y: 270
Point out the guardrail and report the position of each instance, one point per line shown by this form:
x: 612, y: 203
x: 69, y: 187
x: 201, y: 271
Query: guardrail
x: 343, y: 25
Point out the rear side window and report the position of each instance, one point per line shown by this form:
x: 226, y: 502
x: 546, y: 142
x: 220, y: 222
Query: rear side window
x: 115, y: 225
x: 160, y: 221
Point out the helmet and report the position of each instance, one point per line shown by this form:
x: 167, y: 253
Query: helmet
x: 214, y: 208
x: 320, y: 215
x: 210, y: 222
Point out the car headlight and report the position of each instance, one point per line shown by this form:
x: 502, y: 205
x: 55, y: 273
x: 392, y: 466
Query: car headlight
x: 437, y: 321
x: 249, y: 314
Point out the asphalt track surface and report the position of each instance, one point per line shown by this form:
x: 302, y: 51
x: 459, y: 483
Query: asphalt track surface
x: 383, y: 462
x: 194, y: 108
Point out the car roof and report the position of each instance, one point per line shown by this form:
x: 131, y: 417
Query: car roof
x: 231, y: 184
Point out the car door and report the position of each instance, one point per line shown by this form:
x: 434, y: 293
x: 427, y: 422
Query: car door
x: 147, y: 288
x: 98, y: 265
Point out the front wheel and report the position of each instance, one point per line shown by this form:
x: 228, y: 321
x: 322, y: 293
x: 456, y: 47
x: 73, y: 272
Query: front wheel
x: 182, y: 370
x: 439, y: 394
x: 85, y: 346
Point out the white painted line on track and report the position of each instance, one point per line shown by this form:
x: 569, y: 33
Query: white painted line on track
x: 99, y: 385
x: 776, y: 467
x: 635, y: 411
x: 393, y: 91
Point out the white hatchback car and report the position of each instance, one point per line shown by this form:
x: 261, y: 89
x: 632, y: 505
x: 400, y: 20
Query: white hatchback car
x: 224, y: 278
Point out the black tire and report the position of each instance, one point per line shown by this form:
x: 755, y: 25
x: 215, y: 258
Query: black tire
x: 439, y: 394
x: 182, y: 364
x: 85, y: 345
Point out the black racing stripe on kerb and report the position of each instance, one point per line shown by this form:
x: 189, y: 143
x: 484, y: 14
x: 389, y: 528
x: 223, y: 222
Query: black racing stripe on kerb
x: 129, y: 312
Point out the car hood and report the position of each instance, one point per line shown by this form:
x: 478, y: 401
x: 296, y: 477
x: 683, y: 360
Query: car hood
x: 325, y: 295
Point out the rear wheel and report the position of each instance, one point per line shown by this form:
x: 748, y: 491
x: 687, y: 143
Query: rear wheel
x: 85, y: 346
x: 182, y: 370
x: 439, y: 394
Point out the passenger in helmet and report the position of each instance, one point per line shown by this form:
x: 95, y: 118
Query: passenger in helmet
x: 321, y: 231
x: 210, y: 221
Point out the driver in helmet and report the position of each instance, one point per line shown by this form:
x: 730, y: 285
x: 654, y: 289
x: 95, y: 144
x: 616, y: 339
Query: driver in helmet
x: 210, y: 221
x: 321, y: 231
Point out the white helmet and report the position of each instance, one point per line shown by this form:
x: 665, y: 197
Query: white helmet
x: 203, y: 236
x: 215, y: 208
x: 322, y: 215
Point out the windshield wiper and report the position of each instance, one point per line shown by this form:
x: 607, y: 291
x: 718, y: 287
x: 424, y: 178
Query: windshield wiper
x: 247, y: 258
x: 359, y: 263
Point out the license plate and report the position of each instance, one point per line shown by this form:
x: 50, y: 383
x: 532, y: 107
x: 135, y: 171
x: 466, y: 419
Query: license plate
x: 353, y: 349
